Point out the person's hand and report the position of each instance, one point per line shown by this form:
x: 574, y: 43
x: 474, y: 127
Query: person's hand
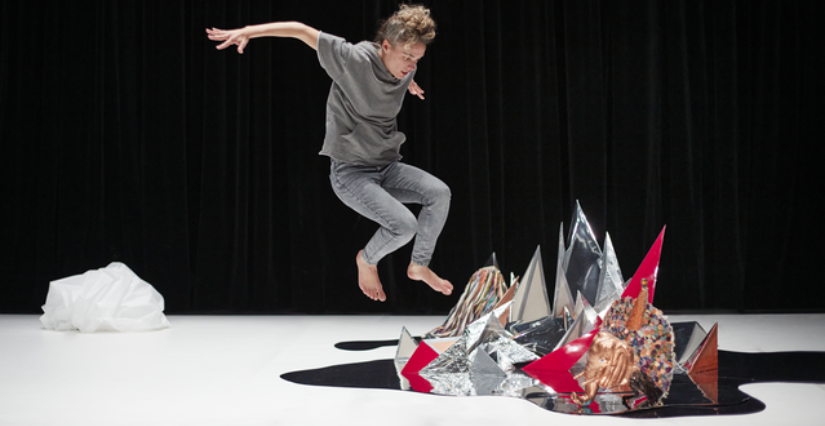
x: 414, y: 89
x: 229, y: 37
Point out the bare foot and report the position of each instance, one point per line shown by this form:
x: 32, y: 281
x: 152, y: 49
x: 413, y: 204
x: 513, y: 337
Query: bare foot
x: 368, y: 279
x: 423, y: 273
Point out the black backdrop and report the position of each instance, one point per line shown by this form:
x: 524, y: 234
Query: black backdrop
x: 125, y: 136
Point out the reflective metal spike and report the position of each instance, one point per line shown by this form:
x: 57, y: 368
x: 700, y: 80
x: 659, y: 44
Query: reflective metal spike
x: 580, y: 327
x: 530, y: 301
x: 492, y: 261
x: 562, y: 299
x: 610, y: 279
x: 406, y: 347
x: 452, y: 361
x: 583, y: 258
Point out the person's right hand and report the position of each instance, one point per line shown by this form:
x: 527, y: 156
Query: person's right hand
x: 415, y: 89
x: 229, y: 37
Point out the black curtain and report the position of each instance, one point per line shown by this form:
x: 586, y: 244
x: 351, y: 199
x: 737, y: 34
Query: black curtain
x: 125, y: 136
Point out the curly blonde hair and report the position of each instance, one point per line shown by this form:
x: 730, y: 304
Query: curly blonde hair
x: 409, y: 25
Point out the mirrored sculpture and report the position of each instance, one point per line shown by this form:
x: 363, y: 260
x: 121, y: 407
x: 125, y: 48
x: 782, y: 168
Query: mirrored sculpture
x: 609, y: 350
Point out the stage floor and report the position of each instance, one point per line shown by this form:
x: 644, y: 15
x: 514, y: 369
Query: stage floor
x: 225, y: 370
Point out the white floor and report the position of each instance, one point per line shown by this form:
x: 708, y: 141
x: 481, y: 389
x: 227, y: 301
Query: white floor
x: 224, y: 370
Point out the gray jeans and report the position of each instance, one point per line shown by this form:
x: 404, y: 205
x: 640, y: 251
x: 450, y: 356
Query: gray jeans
x: 377, y: 193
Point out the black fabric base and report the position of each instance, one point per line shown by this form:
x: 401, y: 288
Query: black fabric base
x: 735, y: 369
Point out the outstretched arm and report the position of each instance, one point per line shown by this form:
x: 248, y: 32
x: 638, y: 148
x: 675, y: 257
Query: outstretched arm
x: 241, y: 36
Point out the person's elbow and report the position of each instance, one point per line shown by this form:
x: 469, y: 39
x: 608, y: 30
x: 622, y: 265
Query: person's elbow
x: 308, y: 35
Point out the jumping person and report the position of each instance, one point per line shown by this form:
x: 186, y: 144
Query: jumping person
x: 369, y: 81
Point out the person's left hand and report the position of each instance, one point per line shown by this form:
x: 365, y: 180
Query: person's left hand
x: 415, y: 89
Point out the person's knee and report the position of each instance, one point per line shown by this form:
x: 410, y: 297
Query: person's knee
x: 405, y: 227
x: 440, y: 194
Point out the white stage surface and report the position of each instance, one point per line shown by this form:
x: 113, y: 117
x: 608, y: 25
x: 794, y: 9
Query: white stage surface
x: 225, y: 370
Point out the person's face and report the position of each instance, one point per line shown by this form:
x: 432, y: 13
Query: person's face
x: 401, y: 60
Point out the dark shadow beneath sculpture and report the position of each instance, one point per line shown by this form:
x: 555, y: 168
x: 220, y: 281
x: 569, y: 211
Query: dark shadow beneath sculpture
x: 366, y: 345
x: 685, y: 399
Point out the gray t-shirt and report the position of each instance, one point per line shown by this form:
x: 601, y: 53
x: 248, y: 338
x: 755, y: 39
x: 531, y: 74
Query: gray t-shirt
x: 362, y: 105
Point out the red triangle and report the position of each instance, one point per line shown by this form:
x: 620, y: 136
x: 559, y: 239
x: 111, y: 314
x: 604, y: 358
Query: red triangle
x: 554, y: 368
x: 422, y: 356
x: 648, y: 269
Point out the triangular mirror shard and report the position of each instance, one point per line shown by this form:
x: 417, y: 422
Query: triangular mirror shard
x: 501, y: 309
x: 579, y: 308
x: 503, y: 312
x: 491, y: 330
x: 584, y: 308
x: 577, y: 221
x: 704, y: 371
x: 582, y: 260
x: 604, y: 305
x: 542, y: 336
x: 530, y: 301
x: 488, y: 325
x: 647, y: 270
x: 496, y: 341
x: 492, y: 261
x: 484, y: 365
x: 581, y: 326
x: 610, y: 280
x: 562, y: 298
x: 506, y: 352
x: 472, y: 334
x: 452, y: 361
x: 706, y: 359
x: 406, y: 347
x: 687, y: 338
x: 485, y: 374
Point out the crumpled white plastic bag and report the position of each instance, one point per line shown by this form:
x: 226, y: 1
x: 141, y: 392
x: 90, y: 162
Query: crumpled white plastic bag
x: 107, y: 299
